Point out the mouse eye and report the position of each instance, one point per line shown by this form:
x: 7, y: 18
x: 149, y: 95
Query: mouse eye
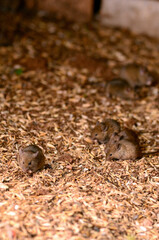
x: 29, y: 163
x: 122, y: 137
x: 96, y: 134
x: 110, y: 154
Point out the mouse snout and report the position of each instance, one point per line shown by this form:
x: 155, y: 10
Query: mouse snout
x: 28, y: 170
x: 25, y: 169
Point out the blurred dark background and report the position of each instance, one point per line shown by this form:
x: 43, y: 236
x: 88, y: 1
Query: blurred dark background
x: 13, y: 11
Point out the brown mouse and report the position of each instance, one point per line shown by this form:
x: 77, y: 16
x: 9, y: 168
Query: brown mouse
x: 136, y: 75
x: 123, y: 145
x: 103, y: 130
x: 119, y: 88
x: 31, y: 158
x: 127, y: 134
x: 122, y: 150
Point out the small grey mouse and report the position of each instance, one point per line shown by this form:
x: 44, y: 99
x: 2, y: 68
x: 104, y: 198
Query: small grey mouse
x: 136, y: 75
x: 103, y: 130
x: 31, y: 158
x: 119, y: 88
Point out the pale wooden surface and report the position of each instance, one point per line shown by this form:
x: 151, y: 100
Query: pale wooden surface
x: 139, y: 16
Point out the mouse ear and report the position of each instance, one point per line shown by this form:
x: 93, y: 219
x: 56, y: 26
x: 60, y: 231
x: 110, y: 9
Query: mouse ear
x: 104, y: 127
x: 20, y: 151
x: 149, y: 80
x: 35, y: 154
x: 119, y: 146
x: 142, y: 70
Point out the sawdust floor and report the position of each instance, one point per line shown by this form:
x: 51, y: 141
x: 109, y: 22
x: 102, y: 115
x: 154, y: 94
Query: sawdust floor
x: 51, y: 95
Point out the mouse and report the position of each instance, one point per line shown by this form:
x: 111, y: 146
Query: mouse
x: 119, y: 88
x: 31, y: 158
x: 127, y: 134
x: 103, y: 130
x: 123, y: 150
x: 136, y: 75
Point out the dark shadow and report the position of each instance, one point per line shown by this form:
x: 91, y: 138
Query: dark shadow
x: 96, y: 6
